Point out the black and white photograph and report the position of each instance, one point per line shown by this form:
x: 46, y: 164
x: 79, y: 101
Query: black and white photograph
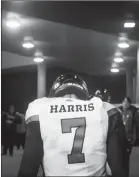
x: 69, y: 88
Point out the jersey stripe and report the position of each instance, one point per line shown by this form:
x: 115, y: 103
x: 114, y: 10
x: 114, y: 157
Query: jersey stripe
x: 112, y: 111
x: 32, y: 118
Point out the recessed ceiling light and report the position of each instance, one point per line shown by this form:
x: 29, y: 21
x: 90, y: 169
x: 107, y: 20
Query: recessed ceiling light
x: 123, y: 45
x: 118, y: 59
x: 129, y: 24
x: 38, y: 59
x: 114, y: 70
x: 28, y: 45
x: 28, y: 42
x: 13, y: 21
x: 123, y: 41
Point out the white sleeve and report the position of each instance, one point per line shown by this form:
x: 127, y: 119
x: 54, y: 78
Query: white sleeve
x: 32, y: 112
x: 107, y: 106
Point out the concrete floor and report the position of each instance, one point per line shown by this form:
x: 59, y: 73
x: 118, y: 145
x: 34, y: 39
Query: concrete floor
x: 10, y: 165
x: 134, y: 163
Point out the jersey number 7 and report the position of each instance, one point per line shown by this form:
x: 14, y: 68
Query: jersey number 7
x: 76, y: 155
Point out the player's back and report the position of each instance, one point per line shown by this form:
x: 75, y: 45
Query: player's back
x: 74, y: 134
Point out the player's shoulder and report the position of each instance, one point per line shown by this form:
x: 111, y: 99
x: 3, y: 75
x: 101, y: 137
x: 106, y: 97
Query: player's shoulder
x: 38, y: 101
x: 34, y: 108
x: 110, y: 108
x: 97, y: 101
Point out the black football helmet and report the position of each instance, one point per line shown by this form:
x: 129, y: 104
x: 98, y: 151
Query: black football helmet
x: 103, y: 94
x: 69, y: 84
x: 99, y: 93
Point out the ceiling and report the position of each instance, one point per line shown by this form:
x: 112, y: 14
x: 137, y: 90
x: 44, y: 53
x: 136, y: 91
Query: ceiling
x: 81, y: 36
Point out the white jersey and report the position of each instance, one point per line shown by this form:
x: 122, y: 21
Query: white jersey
x: 74, y: 135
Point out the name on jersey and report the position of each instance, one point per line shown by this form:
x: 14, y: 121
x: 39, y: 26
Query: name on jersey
x: 71, y: 108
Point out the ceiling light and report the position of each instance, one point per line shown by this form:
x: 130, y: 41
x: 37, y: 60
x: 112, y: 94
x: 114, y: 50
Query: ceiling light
x: 123, y: 45
x: 114, y: 70
x: 129, y: 24
x: 28, y: 45
x: 13, y: 24
x: 28, y: 42
x: 118, y: 59
x: 38, y: 59
x: 13, y: 21
x: 123, y: 41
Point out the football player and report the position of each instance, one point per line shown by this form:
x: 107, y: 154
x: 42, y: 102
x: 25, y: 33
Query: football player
x: 99, y: 94
x: 71, y: 134
x: 103, y: 94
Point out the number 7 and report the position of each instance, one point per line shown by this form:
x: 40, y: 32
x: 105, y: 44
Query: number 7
x: 76, y: 155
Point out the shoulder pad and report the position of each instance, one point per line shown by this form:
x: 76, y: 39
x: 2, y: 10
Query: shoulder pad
x: 97, y: 101
x: 34, y: 107
x: 111, y: 109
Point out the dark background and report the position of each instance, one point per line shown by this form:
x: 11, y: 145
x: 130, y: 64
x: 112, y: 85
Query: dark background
x: 19, y: 87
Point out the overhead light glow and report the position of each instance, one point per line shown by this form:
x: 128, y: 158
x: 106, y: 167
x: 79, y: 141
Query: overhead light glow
x: 13, y: 23
x: 13, y: 20
x: 114, y: 70
x: 38, y: 59
x: 118, y: 59
x: 123, y: 45
x: 28, y: 45
x: 129, y: 24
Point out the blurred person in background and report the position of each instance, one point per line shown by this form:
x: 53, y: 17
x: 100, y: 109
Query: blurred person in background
x: 109, y: 99
x: 2, y: 128
x: 20, y: 130
x: 9, y: 130
x: 137, y: 127
x: 129, y: 120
